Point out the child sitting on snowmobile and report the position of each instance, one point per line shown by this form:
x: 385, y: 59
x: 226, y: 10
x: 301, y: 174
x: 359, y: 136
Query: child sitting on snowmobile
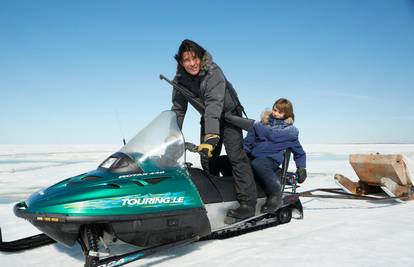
x: 265, y: 144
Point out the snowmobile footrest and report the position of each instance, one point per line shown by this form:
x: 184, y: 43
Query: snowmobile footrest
x: 139, y: 254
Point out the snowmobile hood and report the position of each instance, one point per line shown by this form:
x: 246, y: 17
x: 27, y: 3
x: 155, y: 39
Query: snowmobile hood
x: 147, y: 175
x: 95, y: 193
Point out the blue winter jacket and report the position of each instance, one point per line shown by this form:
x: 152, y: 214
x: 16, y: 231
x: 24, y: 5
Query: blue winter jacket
x: 270, y: 141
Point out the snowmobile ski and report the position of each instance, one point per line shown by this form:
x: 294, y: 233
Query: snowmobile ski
x: 30, y: 242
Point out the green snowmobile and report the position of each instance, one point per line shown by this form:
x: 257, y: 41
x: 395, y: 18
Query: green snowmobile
x: 145, y: 195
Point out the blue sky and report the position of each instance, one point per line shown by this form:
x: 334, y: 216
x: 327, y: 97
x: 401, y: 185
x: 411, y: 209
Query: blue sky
x: 68, y: 69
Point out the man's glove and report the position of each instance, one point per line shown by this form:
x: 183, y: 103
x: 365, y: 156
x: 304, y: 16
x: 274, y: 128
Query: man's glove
x: 210, y: 142
x: 301, y: 175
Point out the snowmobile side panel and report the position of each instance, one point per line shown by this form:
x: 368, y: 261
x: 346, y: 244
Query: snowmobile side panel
x: 141, y: 230
x: 163, y: 229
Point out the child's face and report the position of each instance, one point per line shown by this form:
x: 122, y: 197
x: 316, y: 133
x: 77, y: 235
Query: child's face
x: 276, y: 113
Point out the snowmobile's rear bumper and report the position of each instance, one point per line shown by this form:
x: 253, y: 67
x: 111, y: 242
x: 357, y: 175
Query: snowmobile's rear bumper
x: 142, y: 229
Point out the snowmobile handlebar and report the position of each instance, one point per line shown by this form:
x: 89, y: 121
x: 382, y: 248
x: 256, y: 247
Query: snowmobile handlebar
x: 191, y: 147
x: 243, y: 123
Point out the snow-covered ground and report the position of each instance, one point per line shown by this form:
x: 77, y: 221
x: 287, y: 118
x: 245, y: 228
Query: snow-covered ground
x: 333, y: 232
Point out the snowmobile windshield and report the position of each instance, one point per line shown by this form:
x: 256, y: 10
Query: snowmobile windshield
x: 159, y: 145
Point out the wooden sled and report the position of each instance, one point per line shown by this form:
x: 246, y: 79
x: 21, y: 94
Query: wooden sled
x: 378, y: 173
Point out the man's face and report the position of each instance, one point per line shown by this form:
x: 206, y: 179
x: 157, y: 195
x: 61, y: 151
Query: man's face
x: 191, y: 63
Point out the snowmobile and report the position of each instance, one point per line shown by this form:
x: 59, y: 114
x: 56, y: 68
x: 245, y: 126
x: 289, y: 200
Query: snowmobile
x: 145, y: 195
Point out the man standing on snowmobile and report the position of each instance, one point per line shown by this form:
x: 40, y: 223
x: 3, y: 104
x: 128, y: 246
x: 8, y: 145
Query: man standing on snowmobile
x: 197, y: 72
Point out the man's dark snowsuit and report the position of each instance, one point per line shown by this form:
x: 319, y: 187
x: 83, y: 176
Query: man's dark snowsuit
x: 219, y: 97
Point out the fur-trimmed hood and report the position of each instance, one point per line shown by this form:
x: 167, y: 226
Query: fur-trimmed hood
x: 207, y: 64
x: 209, y: 82
x: 264, y: 117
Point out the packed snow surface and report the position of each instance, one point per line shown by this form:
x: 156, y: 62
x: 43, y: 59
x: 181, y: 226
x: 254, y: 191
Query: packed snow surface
x: 333, y: 231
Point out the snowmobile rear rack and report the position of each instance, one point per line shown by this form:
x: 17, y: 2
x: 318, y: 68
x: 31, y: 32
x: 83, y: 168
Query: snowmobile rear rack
x: 30, y: 242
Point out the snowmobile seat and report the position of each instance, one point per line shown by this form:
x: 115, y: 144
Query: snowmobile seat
x: 214, y: 189
x: 208, y: 191
x: 224, y: 167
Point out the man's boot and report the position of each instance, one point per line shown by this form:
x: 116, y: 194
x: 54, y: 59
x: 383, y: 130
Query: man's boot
x: 273, y: 203
x: 245, y: 211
